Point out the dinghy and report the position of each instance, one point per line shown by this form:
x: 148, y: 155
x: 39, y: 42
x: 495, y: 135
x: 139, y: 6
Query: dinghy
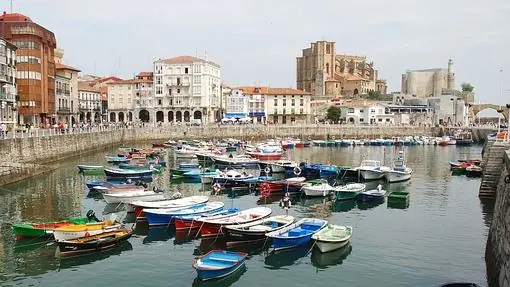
x: 83, y: 167
x: 317, y: 187
x: 296, y: 234
x: 255, y: 231
x: 332, y: 237
x: 130, y: 196
x: 349, y: 191
x: 84, y: 230
x: 218, y: 263
x: 129, y: 173
x: 185, y: 202
x: 191, y: 222
x: 93, y: 243
x: 164, y: 216
x: 214, y: 226
x: 374, y: 194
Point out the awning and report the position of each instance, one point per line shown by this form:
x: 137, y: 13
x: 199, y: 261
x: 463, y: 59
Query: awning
x: 235, y: 115
x: 257, y: 114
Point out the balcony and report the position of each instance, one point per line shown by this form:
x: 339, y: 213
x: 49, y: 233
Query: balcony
x: 63, y: 111
x: 7, y: 97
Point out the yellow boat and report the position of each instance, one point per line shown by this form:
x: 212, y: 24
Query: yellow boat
x: 84, y: 230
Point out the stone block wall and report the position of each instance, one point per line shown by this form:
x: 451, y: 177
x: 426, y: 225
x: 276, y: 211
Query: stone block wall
x: 497, y: 253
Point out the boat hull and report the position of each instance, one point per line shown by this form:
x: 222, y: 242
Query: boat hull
x: 397, y: 176
x: 316, y: 192
x: 128, y: 199
x: 71, y: 248
x: 266, y: 156
x: 327, y: 246
x: 281, y: 244
x: 207, y: 275
x: 369, y: 197
x: 371, y: 175
x: 346, y: 195
x: 68, y: 235
x: 186, y: 224
x: 238, y: 237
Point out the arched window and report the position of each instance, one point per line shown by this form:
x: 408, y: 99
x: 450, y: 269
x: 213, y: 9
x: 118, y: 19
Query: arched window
x: 327, y: 68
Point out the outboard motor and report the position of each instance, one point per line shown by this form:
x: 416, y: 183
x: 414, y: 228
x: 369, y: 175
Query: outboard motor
x: 91, y: 215
x: 157, y: 190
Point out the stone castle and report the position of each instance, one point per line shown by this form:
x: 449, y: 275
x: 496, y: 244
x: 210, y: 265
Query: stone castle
x: 325, y: 74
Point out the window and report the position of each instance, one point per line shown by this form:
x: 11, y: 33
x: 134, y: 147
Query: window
x: 178, y: 70
x: 159, y: 90
x: 328, y: 48
x: 350, y: 110
x: 197, y: 90
x: 197, y: 80
x: 387, y: 120
x: 361, y: 120
x: 301, y: 111
x: 178, y: 91
x: 26, y: 45
x: 284, y: 111
x: 178, y: 81
x: 170, y: 92
x: 275, y: 111
x: 292, y: 111
x: 160, y: 102
x: 158, y: 80
x: 276, y: 102
x: 372, y: 111
x: 293, y: 102
x: 284, y: 102
x: 361, y: 111
x: 185, y: 70
x: 301, y: 102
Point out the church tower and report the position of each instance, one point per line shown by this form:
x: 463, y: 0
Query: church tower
x: 451, y: 76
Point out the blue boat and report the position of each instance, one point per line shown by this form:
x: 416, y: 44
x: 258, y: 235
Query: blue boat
x: 218, y: 264
x: 117, y: 159
x: 197, y: 173
x: 372, y: 195
x: 297, y: 234
x: 165, y: 216
x: 189, y: 165
x: 314, y: 171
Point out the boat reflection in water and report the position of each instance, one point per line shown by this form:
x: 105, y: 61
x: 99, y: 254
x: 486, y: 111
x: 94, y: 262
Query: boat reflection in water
x: 33, y: 257
x: 398, y: 204
x: 73, y: 262
x: 155, y: 234
x: 185, y: 236
x: 222, y: 282
x: 208, y: 244
x: 279, y: 259
x: 330, y: 259
x: 370, y: 204
x: 344, y: 206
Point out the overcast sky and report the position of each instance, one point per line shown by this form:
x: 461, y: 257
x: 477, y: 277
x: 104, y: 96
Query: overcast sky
x: 256, y: 42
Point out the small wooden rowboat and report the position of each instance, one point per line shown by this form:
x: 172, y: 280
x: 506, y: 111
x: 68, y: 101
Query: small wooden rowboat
x: 83, y: 167
x: 84, y: 230
x: 214, y: 226
x: 296, y: 234
x: 349, y: 191
x: 191, y: 223
x: 30, y: 230
x: 130, y: 196
x: 94, y: 243
x: 165, y: 216
x: 332, y: 237
x: 218, y: 263
x: 255, y: 231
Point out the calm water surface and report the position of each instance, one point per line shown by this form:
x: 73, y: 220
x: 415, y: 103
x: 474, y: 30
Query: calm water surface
x: 439, y: 237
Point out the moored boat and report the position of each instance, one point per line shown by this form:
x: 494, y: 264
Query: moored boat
x: 296, y: 234
x: 218, y: 264
x: 214, y: 226
x: 130, y: 196
x: 374, y: 194
x: 185, y: 202
x: 84, y: 230
x: 129, y: 173
x: 398, y: 196
x: 83, y: 167
x: 349, y: 191
x: 332, y: 237
x: 165, y: 216
x: 116, y: 159
x: 255, y: 231
x: 93, y: 243
x: 372, y: 169
x: 191, y: 222
x: 474, y: 171
x: 317, y: 187
x: 399, y: 171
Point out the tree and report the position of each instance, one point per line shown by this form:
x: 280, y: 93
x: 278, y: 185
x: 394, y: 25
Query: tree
x: 334, y: 114
x: 374, y: 95
x: 466, y: 87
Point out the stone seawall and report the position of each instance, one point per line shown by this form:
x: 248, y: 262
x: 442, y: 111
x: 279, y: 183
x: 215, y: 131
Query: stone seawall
x: 24, y: 157
x: 497, y: 253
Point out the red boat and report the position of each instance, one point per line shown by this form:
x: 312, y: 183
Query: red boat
x: 186, y: 224
x: 271, y: 187
x: 300, y: 145
x: 265, y: 156
x: 214, y: 226
x: 158, y: 145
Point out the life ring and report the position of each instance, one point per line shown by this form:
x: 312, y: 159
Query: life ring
x: 264, y: 190
x: 297, y: 170
x: 267, y: 170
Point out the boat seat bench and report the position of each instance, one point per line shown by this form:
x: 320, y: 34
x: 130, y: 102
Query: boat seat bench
x: 223, y: 259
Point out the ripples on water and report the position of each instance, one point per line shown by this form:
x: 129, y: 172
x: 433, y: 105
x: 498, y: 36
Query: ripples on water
x: 439, y: 237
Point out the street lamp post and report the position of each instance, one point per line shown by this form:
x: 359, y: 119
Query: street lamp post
x: 507, y: 136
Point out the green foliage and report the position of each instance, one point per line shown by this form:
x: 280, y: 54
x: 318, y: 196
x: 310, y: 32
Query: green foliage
x: 374, y: 95
x: 334, y: 114
x: 467, y: 87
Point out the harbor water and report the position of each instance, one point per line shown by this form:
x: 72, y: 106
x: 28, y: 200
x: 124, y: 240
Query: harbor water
x: 438, y: 237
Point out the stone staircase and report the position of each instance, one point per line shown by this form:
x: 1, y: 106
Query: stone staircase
x: 492, y: 164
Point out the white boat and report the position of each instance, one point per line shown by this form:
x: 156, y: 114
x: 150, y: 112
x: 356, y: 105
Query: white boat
x: 332, y: 237
x: 351, y: 187
x: 112, y: 190
x: 207, y: 179
x: 374, y: 194
x: 128, y: 197
x: 399, y: 171
x: 173, y: 203
x: 372, y: 169
x: 83, y: 230
x: 317, y: 188
x: 280, y: 166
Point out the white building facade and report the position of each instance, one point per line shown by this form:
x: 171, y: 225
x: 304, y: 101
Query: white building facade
x: 89, y: 103
x: 186, y: 89
x: 236, y: 105
x: 121, y: 101
x: 8, y: 92
x: 367, y: 113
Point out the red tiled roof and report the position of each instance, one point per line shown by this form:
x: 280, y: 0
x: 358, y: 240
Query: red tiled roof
x: 113, y: 78
x: 356, y: 78
x: 185, y: 60
x: 144, y: 74
x: 14, y: 17
x: 60, y: 66
x: 271, y: 91
x: 85, y: 86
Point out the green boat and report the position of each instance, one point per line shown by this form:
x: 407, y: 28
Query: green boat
x: 349, y: 191
x: 34, y: 230
x: 398, y: 196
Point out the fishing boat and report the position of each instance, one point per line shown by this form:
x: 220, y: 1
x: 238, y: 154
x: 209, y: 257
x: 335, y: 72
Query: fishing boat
x: 197, y: 173
x: 314, y: 171
x: 218, y: 264
x: 93, y: 243
x: 164, y: 216
x: 46, y: 229
x: 255, y: 231
x: 399, y: 171
x: 185, y: 202
x: 474, y: 171
x: 349, y: 191
x: 281, y: 166
x: 129, y: 173
x: 230, y: 175
x: 190, y: 223
x: 332, y: 237
x: 115, y: 184
x: 214, y: 226
x: 463, y: 138
x: 317, y: 187
x: 83, y: 167
x: 116, y: 159
x: 372, y: 169
x: 130, y: 196
x: 398, y: 196
x: 235, y: 161
x: 84, y: 230
x: 279, y: 186
x: 372, y: 195
x: 266, y: 155
x: 296, y: 234
x: 158, y: 145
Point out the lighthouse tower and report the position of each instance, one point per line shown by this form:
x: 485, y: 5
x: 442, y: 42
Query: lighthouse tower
x: 451, y: 76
